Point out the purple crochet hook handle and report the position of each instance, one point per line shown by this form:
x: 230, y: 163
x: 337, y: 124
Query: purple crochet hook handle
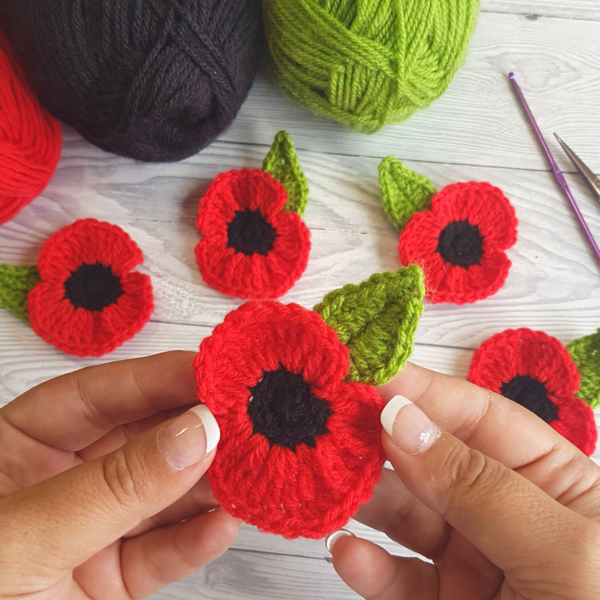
x: 558, y: 174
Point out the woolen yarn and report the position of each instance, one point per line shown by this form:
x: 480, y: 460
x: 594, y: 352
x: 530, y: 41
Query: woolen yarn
x: 30, y: 138
x: 154, y: 80
x: 366, y: 63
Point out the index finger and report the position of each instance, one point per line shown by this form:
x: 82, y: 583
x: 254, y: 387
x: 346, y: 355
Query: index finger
x: 502, y: 430
x: 74, y: 410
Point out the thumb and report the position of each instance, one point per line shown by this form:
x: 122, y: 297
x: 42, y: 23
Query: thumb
x: 516, y: 525
x: 63, y: 521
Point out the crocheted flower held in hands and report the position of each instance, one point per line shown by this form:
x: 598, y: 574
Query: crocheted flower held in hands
x: 300, y: 446
x: 82, y: 297
x: 255, y: 245
x: 459, y: 236
x: 537, y: 371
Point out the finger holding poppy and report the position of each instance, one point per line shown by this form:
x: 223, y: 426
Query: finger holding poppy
x: 83, y: 296
x: 293, y: 393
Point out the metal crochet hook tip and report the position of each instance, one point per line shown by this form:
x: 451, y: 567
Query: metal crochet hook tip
x: 589, y: 176
x: 558, y: 174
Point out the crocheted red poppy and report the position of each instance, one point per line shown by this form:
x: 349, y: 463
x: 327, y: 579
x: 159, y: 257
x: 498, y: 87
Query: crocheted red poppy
x: 536, y: 370
x: 461, y: 241
x: 251, y: 248
x: 88, y: 302
x: 300, y: 448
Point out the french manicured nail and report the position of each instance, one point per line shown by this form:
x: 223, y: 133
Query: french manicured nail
x: 189, y: 438
x: 335, y: 536
x: 408, y: 425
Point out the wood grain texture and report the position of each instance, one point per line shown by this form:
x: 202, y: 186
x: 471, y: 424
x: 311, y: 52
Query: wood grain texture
x: 566, y: 9
x: 475, y: 132
x: 553, y: 284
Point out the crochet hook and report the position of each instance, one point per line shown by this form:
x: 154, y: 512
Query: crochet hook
x: 558, y: 174
x: 591, y: 179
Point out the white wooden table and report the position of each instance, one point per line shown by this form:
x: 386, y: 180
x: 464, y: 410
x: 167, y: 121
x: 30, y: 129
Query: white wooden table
x: 475, y: 131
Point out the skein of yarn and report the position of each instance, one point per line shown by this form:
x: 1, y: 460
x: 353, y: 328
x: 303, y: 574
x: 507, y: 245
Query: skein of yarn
x: 154, y: 80
x: 367, y: 63
x: 30, y: 139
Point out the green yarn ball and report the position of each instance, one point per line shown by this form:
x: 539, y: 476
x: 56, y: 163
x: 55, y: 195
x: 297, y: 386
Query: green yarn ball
x: 366, y: 63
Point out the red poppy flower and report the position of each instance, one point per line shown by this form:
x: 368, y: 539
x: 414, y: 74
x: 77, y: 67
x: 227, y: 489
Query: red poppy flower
x: 537, y: 371
x: 461, y: 241
x: 88, y: 302
x: 251, y: 248
x: 300, y: 448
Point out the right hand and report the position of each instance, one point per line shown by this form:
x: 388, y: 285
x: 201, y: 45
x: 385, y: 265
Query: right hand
x: 503, y: 506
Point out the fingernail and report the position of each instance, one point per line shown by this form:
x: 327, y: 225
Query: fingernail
x: 189, y: 438
x: 408, y: 425
x: 335, y: 536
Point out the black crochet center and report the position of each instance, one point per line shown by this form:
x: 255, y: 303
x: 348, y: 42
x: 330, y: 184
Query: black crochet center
x: 531, y: 394
x: 93, y: 287
x: 250, y: 233
x: 286, y: 412
x: 460, y: 244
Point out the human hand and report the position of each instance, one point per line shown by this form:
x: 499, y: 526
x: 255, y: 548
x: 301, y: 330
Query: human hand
x: 98, y: 469
x: 503, y: 505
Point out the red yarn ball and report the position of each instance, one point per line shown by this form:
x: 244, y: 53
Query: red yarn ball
x: 30, y: 139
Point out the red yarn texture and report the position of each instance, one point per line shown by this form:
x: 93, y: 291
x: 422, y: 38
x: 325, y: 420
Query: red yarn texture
x: 83, y: 247
x: 523, y: 352
x: 273, y: 269
x: 312, y: 491
x: 30, y: 139
x: 481, y: 205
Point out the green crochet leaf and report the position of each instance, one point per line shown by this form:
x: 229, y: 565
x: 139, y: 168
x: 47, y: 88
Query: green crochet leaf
x: 377, y: 321
x: 282, y: 163
x: 585, y: 352
x: 15, y: 284
x: 404, y: 191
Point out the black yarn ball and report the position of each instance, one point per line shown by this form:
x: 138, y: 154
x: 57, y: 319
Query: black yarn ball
x: 154, y: 80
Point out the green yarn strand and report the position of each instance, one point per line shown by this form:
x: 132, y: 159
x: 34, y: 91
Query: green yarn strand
x: 585, y: 352
x: 377, y: 321
x: 404, y: 192
x: 282, y: 163
x: 15, y: 285
x: 366, y: 63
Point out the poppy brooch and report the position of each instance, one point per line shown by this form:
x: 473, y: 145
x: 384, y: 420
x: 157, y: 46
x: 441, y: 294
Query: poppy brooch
x: 255, y: 245
x: 459, y: 236
x: 82, y: 296
x: 538, y: 372
x: 292, y: 391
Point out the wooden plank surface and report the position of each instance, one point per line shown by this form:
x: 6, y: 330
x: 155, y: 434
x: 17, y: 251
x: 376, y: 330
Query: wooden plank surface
x: 553, y: 284
x: 534, y: 9
x: 475, y: 132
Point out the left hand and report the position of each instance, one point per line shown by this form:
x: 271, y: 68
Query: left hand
x: 102, y: 486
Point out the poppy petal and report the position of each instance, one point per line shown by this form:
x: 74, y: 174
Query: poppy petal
x: 480, y: 204
x: 87, y: 241
x: 420, y: 238
x: 119, y: 322
x: 236, y: 191
x: 56, y: 321
x: 447, y: 283
x: 577, y: 424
